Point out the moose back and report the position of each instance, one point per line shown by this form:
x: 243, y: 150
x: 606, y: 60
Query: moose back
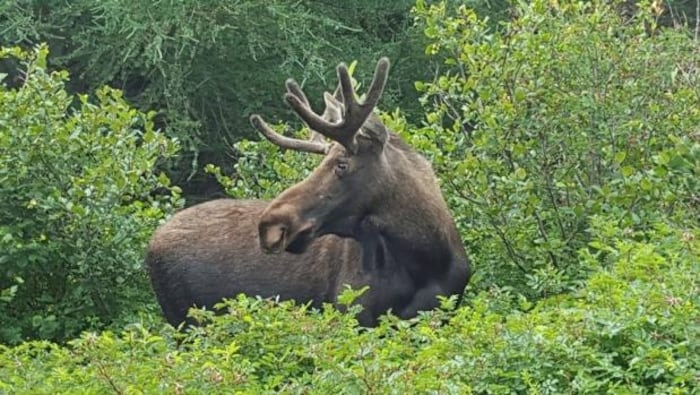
x: 370, y: 214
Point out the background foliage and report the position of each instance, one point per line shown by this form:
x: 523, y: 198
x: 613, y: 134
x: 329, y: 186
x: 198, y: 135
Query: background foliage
x: 206, y: 66
x: 569, y: 112
x: 77, y: 204
x: 565, y: 136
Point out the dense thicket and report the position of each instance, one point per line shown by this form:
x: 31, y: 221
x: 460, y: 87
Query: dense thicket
x: 567, y: 114
x: 567, y: 144
x: 631, y: 329
x: 77, y: 204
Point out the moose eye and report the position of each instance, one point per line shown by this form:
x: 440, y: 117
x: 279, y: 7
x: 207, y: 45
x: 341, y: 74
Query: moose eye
x: 341, y: 168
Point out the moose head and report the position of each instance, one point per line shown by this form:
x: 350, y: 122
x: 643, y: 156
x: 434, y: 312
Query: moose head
x: 347, y: 185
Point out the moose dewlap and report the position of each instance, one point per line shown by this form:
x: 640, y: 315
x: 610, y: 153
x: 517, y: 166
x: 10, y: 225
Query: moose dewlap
x: 371, y: 214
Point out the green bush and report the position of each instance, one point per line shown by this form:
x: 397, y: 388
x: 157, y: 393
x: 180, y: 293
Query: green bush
x: 78, y: 201
x: 567, y: 112
x: 628, y: 330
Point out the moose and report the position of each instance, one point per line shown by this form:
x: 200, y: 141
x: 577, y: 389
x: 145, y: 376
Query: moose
x: 371, y: 214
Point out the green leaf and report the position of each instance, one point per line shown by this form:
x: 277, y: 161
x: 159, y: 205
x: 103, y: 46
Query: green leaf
x: 627, y: 171
x: 663, y: 158
x: 619, y: 157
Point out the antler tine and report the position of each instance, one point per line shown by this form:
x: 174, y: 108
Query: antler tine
x: 294, y: 89
x: 378, y: 83
x: 312, y: 146
x: 355, y: 113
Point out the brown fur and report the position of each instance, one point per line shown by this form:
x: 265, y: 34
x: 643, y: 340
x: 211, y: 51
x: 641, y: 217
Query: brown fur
x: 210, y: 251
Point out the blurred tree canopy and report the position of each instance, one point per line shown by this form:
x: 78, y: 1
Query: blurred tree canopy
x: 206, y: 66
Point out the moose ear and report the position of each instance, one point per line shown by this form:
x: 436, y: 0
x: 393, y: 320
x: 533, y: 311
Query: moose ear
x: 334, y: 108
x: 374, y: 132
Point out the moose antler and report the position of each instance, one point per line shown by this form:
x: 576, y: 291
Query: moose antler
x: 312, y: 146
x: 294, y: 89
x: 354, y: 114
x: 315, y: 144
x: 341, y: 120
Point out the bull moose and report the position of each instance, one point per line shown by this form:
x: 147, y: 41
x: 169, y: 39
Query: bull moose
x: 371, y: 214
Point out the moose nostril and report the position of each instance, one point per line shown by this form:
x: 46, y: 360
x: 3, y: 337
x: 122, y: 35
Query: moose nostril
x: 272, y: 238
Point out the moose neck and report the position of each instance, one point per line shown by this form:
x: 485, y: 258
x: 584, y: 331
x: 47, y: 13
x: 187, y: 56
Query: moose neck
x: 414, y: 221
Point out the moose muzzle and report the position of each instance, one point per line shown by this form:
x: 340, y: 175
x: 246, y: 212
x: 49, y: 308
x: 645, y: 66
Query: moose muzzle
x: 280, y: 232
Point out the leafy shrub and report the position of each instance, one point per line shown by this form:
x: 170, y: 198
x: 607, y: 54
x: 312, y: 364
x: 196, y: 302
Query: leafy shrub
x: 77, y: 204
x: 627, y: 330
x: 566, y: 112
